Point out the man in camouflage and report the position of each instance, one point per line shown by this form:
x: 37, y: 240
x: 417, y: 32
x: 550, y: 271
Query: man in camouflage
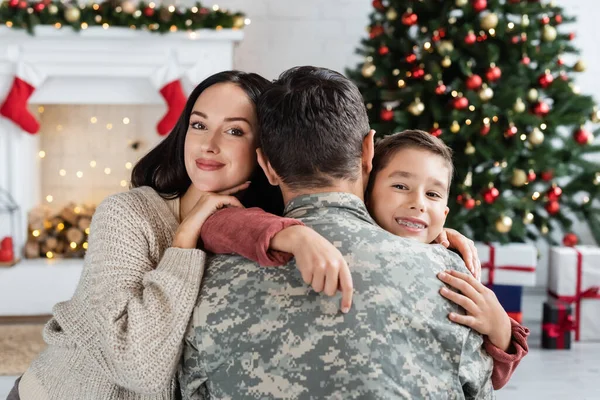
x: 261, y: 333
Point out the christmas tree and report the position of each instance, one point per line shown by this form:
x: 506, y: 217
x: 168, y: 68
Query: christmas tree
x: 494, y: 80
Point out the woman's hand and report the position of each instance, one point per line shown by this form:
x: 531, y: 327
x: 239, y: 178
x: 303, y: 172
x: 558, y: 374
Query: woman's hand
x: 465, y: 246
x: 188, y: 232
x: 484, y: 312
x: 321, y: 264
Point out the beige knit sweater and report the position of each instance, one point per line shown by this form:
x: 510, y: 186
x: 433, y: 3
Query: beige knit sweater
x: 120, y: 336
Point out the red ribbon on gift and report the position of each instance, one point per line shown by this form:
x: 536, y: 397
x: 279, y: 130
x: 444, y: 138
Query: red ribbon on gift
x: 590, y: 293
x: 491, y: 265
x: 557, y: 331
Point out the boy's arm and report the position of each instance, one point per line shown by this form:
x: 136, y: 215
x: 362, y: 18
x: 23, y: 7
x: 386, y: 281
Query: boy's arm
x: 505, y: 362
x: 247, y: 232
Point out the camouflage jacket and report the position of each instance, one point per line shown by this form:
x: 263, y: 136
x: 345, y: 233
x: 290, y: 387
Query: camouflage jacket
x: 261, y: 333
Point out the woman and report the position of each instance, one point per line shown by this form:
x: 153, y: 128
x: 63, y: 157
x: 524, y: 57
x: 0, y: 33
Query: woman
x: 120, y: 336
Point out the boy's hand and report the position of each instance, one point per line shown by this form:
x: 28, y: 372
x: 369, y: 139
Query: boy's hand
x: 465, y: 246
x: 484, y: 312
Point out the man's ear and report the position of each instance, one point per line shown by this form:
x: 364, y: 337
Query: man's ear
x: 266, y: 167
x: 368, y: 151
x: 446, y: 211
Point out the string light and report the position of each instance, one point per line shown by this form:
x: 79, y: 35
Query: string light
x: 50, y: 254
x: 41, y: 109
x: 126, y: 120
x: 77, y: 210
x: 85, y: 244
x: 128, y: 165
x: 62, y: 172
x: 60, y: 226
x: 49, y: 198
x: 84, y: 25
x: 523, y: 137
x: 73, y: 245
x: 93, y: 164
x: 215, y: 7
x: 105, y: 25
x: 195, y: 9
x: 42, y: 154
x: 107, y: 171
x: 79, y: 174
x: 87, y: 231
x: 247, y: 21
x: 35, y: 233
x: 535, y: 196
x: 123, y: 183
x: 109, y: 126
x: 93, y: 120
x: 171, y: 8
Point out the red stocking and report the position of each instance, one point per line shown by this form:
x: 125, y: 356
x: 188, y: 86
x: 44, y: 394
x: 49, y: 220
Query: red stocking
x: 15, y: 104
x: 166, y: 79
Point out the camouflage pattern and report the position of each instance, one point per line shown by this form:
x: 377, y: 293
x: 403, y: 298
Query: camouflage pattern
x: 261, y: 333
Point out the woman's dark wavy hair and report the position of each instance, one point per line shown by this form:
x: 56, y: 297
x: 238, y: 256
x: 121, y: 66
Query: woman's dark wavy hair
x: 163, y: 168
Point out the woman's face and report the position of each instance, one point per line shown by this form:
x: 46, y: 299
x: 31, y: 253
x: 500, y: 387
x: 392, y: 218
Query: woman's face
x: 221, y: 140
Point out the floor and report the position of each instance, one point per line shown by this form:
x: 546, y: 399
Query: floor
x: 543, y: 374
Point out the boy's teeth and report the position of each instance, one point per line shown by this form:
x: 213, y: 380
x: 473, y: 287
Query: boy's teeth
x: 410, y: 224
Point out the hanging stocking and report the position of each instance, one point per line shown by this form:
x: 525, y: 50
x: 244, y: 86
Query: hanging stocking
x: 27, y: 79
x: 167, y: 80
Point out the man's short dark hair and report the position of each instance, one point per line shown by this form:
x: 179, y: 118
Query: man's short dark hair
x: 313, y: 122
x: 388, y: 146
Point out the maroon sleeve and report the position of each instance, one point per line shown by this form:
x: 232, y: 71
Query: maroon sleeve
x: 505, y: 362
x: 247, y: 232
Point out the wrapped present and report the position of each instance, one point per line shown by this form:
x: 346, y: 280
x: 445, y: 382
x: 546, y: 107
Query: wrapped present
x: 574, y: 277
x: 510, y: 297
x: 557, y: 324
x: 507, y: 264
x: 517, y: 316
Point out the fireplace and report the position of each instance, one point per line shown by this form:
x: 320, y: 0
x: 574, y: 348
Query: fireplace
x: 98, y: 110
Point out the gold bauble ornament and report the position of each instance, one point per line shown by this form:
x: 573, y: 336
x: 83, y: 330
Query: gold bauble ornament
x: 595, y: 116
x: 528, y: 218
x: 416, y: 108
x: 391, y: 14
x: 489, y: 21
x: 532, y: 95
x: 504, y: 224
x: 486, y: 94
x: 536, y: 137
x: 239, y: 21
x: 72, y: 14
x: 128, y: 7
x: 455, y: 127
x: 446, y: 62
x: 469, y: 149
x: 519, y: 106
x: 574, y: 88
x: 368, y: 69
x: 549, y: 33
x: 52, y: 9
x: 461, y: 3
x: 445, y: 47
x: 544, y: 229
x: 579, y: 66
x: 519, y: 178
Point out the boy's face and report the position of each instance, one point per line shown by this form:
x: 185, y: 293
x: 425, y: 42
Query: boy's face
x: 410, y: 195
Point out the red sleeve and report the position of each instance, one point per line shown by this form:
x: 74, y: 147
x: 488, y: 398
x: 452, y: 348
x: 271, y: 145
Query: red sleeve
x: 505, y: 362
x: 247, y: 232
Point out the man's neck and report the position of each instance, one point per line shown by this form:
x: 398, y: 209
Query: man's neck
x: 355, y: 188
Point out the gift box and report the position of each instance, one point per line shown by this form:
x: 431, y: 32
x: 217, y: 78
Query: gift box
x: 510, y: 297
x: 507, y: 264
x: 517, y: 316
x: 574, y: 277
x: 557, y: 324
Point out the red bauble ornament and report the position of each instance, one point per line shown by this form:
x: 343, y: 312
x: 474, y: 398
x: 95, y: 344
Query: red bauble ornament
x: 485, y: 129
x: 470, y: 38
x: 482, y: 36
x: 545, y: 20
x: 23, y: 4
x: 493, y: 73
x: 409, y: 19
x: 479, y: 5
x: 473, y: 82
x: 149, y: 12
x: 545, y: 79
x: 560, y: 62
x: 383, y: 50
x: 39, y: 7
x: 13, y: 3
x: 440, y: 89
x: 554, y: 193
x: 378, y: 5
x: 570, y: 239
x: 469, y: 204
x: 460, y: 103
x: 436, y: 131
x: 541, y: 109
x: 386, y: 114
x: 571, y: 35
x: 511, y: 131
x: 552, y: 207
x: 490, y: 195
x: 373, y: 33
x: 459, y: 199
x: 531, y: 176
x: 411, y: 58
x: 525, y: 60
x: 558, y: 19
x: 582, y: 136
x: 515, y: 39
x: 547, y: 175
x: 418, y: 73
x: 563, y: 75
x: 442, y: 32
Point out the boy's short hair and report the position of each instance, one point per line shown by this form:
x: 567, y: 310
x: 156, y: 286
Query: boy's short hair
x: 388, y: 146
x: 312, y: 124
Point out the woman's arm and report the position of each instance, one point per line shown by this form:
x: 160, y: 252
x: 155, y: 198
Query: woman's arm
x: 135, y: 304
